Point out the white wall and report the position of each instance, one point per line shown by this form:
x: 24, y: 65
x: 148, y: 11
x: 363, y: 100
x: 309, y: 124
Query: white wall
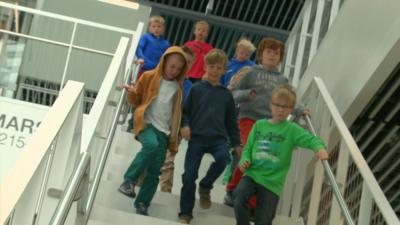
x: 46, y: 62
x: 358, y: 53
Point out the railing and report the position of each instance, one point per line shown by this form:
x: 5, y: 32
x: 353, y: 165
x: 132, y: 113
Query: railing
x: 46, y: 161
x: 63, y: 208
x: 34, y: 37
x: 100, y: 121
x: 332, y: 181
x: 309, y: 30
x: 321, y: 209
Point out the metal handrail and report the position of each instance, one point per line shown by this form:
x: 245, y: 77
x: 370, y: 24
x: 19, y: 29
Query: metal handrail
x: 380, y: 199
x: 104, y: 155
x: 71, y: 190
x: 332, y: 180
x: 66, y: 18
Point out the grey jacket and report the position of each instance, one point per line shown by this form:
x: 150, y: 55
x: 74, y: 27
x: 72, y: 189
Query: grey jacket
x: 262, y: 81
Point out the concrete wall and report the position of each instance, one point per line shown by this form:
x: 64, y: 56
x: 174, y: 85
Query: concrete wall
x: 358, y: 53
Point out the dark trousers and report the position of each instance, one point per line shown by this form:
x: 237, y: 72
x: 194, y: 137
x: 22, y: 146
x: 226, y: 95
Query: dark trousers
x: 150, y: 157
x: 267, y: 202
x: 196, y: 149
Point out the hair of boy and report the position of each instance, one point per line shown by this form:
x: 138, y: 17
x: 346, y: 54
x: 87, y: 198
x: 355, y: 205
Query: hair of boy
x: 156, y: 19
x: 285, y: 92
x: 245, y: 44
x: 203, y: 22
x: 270, y: 43
x: 182, y: 57
x: 187, y: 50
x: 216, y: 56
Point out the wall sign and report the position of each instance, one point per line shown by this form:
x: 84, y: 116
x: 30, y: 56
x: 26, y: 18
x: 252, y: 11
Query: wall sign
x: 18, y: 121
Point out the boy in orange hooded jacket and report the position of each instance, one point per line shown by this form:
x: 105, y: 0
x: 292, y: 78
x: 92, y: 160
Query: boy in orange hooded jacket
x: 157, y: 97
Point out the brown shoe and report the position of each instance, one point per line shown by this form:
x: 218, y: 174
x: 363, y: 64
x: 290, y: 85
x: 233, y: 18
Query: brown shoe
x: 185, y: 219
x: 205, y: 198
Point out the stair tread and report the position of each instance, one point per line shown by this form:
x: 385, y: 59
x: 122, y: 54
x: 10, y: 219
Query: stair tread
x: 109, y: 196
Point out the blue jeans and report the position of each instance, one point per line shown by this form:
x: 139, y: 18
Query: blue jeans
x: 196, y: 149
x: 150, y: 157
x: 267, y: 202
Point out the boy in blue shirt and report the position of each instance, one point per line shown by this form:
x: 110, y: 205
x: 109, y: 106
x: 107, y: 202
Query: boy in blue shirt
x: 207, y: 121
x: 152, y: 45
x: 244, y: 49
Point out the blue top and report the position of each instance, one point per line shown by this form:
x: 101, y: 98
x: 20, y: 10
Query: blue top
x: 151, y: 49
x: 187, y: 85
x: 233, y: 67
x: 208, y: 112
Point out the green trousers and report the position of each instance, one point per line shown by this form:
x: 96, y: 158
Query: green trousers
x: 151, y: 158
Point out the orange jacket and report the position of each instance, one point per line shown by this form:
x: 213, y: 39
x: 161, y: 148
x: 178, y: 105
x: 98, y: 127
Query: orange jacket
x: 146, y: 90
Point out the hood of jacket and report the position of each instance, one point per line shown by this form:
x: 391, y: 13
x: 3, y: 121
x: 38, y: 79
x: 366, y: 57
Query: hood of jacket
x: 159, y: 70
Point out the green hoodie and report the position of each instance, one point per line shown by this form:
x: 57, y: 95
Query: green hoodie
x: 269, y: 150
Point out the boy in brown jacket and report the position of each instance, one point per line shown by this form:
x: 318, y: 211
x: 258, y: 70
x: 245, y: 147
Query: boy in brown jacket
x: 157, y: 97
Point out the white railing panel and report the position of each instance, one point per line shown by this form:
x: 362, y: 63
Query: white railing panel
x: 317, y: 92
x: 26, y: 174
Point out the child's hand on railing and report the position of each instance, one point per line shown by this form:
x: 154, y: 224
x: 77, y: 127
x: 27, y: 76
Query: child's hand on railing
x: 139, y: 62
x: 306, y: 112
x: 322, y: 154
x: 129, y: 88
x: 244, y: 165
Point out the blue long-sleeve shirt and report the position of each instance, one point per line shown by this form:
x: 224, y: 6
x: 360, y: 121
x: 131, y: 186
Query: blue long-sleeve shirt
x: 209, y: 111
x: 233, y: 67
x: 150, y: 49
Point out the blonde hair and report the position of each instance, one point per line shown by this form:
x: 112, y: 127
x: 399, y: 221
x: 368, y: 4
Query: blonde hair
x: 246, y: 44
x: 270, y: 43
x: 203, y: 22
x: 216, y: 56
x: 238, y: 76
x: 156, y: 19
x: 285, y: 92
x: 188, y: 50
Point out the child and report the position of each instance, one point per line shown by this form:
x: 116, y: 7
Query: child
x: 207, y: 121
x: 244, y: 49
x: 253, y: 93
x: 157, y: 97
x: 167, y: 171
x: 200, y: 48
x: 267, y: 156
x: 150, y: 49
x: 234, y: 158
x: 152, y: 45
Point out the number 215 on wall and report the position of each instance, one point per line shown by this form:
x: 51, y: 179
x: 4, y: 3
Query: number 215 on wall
x: 12, y: 140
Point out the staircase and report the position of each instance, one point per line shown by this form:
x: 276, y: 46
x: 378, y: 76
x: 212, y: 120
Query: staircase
x: 112, y: 207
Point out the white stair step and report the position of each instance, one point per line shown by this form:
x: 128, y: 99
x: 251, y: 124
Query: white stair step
x: 108, y: 216
x: 109, y: 196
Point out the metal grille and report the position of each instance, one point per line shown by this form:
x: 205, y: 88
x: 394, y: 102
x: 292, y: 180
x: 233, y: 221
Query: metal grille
x: 220, y: 36
x: 45, y: 93
x: 229, y: 20
x: 326, y: 192
x: 377, y: 131
x: 279, y: 14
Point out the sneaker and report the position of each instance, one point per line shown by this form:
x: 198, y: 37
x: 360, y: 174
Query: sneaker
x: 141, y: 209
x: 228, y: 199
x: 184, y: 219
x: 127, y: 188
x: 205, y: 198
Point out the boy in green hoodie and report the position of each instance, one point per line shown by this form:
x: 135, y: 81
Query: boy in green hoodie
x: 266, y: 159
